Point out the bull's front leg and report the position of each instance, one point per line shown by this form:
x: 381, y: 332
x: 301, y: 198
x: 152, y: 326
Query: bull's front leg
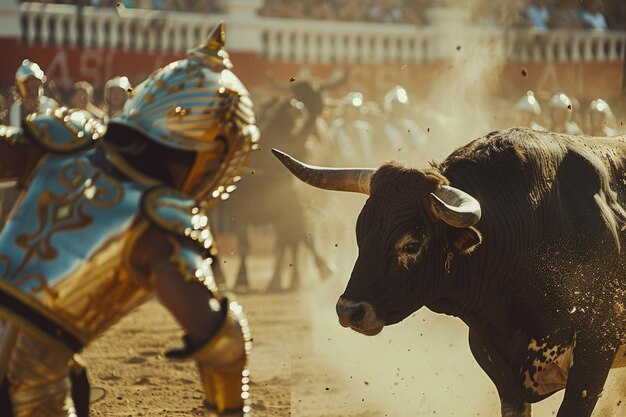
x: 593, y: 357
x: 510, y: 406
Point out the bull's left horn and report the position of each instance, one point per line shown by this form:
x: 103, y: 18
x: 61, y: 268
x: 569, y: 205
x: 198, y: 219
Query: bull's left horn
x: 455, y: 207
x: 356, y: 180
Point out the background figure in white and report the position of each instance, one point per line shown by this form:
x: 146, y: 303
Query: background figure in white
x: 116, y: 92
x: 351, y: 134
x: 561, y: 109
x: 29, y: 80
x: 602, y: 119
x: 528, y: 110
x: 406, y: 139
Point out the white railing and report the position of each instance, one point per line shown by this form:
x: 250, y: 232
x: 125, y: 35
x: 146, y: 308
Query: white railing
x: 306, y: 41
x: 565, y: 45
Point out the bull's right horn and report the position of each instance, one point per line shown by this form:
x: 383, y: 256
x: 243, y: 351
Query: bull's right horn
x: 356, y: 180
x: 455, y: 207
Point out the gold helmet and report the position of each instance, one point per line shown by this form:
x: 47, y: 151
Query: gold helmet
x: 197, y: 106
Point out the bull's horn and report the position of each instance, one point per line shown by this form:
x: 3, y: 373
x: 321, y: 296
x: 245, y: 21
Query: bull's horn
x: 356, y: 180
x: 455, y: 207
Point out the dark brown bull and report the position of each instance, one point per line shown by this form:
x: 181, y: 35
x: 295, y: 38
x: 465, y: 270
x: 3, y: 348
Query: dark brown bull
x: 528, y: 255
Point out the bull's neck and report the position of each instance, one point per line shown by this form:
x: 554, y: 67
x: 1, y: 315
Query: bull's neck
x: 482, y: 287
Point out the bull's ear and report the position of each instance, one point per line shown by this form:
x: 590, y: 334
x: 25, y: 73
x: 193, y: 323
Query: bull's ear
x: 464, y: 240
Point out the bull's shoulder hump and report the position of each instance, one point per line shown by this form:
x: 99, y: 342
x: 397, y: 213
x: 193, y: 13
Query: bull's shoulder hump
x: 518, y: 143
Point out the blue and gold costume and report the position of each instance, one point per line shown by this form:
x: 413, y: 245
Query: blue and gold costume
x: 68, y: 268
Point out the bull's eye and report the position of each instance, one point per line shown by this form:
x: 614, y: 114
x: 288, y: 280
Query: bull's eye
x: 411, y: 248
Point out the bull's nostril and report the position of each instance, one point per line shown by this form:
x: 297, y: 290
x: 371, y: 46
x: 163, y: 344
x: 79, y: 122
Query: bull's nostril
x: 357, y: 314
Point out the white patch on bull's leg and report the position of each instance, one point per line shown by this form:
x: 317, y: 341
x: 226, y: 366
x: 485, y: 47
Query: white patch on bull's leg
x: 549, y: 368
x: 406, y: 259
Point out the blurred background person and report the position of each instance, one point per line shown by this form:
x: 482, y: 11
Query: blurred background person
x: 351, y: 135
x: 591, y: 15
x: 406, y: 139
x: 601, y: 119
x: 116, y: 92
x: 565, y: 15
x: 528, y: 111
x: 81, y: 98
x: 29, y: 80
x: 538, y: 14
x: 561, y: 110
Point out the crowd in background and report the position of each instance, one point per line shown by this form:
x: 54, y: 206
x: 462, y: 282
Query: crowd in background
x: 200, y: 6
x: 542, y: 14
x: 546, y: 14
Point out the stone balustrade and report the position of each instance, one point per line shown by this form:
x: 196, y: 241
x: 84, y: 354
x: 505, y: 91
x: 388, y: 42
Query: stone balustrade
x: 305, y: 41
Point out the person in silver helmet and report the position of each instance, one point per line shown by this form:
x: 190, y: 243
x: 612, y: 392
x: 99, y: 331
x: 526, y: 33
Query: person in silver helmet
x: 116, y: 92
x: 108, y: 219
x: 528, y: 110
x: 29, y: 80
x: 351, y: 134
x: 405, y: 136
x: 561, y: 109
x: 601, y: 119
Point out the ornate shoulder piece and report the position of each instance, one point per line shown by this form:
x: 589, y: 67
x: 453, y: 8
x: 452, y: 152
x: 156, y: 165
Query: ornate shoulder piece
x: 63, y: 131
x: 177, y: 214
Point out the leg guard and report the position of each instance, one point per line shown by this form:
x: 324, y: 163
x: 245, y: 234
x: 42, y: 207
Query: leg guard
x: 38, y: 379
x: 222, y: 363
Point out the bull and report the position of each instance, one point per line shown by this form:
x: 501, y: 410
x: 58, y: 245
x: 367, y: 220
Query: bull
x: 519, y: 235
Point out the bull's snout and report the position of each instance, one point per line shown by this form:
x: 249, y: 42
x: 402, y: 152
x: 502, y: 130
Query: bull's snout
x: 349, y: 312
x: 359, y: 316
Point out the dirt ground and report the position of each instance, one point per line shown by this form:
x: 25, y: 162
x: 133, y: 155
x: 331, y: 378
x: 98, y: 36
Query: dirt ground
x: 304, y: 364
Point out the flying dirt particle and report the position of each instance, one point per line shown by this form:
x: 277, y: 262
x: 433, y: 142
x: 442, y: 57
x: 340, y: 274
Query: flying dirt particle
x: 458, y: 47
x: 366, y: 383
x: 252, y: 172
x: 524, y: 72
x: 399, y: 149
x: 336, y: 245
x: 327, y: 389
x: 409, y: 130
x: 225, y: 261
x: 569, y: 107
x: 290, y: 265
x: 619, y: 403
x: 584, y: 393
x: 292, y: 79
x: 428, y: 130
x: 130, y: 90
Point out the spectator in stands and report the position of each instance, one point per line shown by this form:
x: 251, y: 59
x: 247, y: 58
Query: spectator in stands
x: 351, y: 10
x: 322, y: 10
x: 564, y: 15
x: 592, y: 17
x: 538, y: 14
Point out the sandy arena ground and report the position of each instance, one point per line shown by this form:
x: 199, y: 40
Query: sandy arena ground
x: 304, y: 364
